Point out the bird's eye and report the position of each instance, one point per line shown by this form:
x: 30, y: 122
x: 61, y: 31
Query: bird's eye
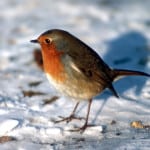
x: 48, y: 41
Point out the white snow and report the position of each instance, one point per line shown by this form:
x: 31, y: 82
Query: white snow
x: 7, y: 126
x: 119, y: 31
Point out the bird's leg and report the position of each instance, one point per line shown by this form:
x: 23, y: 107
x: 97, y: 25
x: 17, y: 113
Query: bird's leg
x: 71, y: 117
x: 82, y: 129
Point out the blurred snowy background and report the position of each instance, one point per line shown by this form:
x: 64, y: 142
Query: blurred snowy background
x: 119, y: 31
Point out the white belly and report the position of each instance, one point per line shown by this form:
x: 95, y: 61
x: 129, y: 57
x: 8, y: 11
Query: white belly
x: 73, y: 89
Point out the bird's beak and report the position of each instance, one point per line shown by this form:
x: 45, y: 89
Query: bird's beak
x: 34, y: 41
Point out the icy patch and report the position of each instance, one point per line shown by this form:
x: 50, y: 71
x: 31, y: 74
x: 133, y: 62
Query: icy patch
x: 7, y: 126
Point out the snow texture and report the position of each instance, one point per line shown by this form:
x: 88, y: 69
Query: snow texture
x: 118, y: 30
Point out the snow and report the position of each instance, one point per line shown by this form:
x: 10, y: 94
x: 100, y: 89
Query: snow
x: 119, y: 31
x: 7, y: 125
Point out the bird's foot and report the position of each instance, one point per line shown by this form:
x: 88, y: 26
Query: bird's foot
x: 68, y: 119
x: 81, y: 129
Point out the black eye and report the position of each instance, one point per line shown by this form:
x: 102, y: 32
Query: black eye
x: 48, y: 41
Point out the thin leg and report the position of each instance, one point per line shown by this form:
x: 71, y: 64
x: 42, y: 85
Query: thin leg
x: 74, y: 110
x: 72, y: 116
x: 88, y: 112
x: 82, y: 129
x: 87, y: 117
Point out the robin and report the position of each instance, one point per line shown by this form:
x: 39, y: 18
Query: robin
x: 76, y: 70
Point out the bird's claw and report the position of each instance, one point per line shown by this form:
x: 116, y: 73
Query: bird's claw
x: 68, y: 119
x: 81, y: 129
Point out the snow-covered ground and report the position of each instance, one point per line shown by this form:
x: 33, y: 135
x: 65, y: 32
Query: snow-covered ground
x: 118, y: 30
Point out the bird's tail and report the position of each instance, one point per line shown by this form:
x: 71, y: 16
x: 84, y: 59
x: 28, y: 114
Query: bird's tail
x: 119, y: 73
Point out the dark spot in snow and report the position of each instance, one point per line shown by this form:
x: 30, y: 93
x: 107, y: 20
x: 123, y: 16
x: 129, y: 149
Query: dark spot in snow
x: 113, y: 122
x: 122, y: 61
x: 4, y: 139
x: 118, y: 133
x: 35, y: 83
x: 32, y: 93
x: 51, y: 100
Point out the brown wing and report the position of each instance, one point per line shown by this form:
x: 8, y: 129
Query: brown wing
x: 93, y: 67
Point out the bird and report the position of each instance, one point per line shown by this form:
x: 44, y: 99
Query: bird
x: 76, y: 70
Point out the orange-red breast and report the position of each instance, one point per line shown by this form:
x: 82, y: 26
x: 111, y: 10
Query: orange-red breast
x: 75, y: 69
